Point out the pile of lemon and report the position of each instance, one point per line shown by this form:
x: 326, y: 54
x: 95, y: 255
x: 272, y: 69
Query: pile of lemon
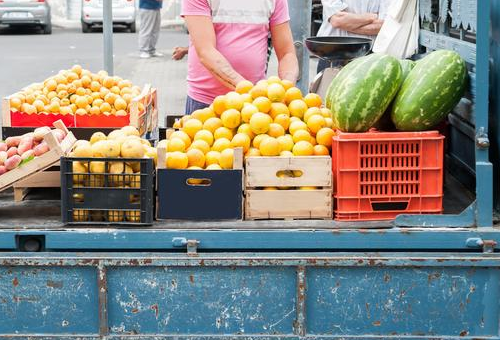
x: 272, y: 118
x: 77, y: 92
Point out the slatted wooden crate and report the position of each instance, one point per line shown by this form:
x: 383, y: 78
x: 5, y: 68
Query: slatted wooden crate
x: 288, y: 175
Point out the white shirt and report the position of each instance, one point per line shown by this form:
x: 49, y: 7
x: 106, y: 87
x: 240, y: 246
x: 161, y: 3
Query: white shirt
x: 332, y: 7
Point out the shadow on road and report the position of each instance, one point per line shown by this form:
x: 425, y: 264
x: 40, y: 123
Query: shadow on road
x: 20, y: 30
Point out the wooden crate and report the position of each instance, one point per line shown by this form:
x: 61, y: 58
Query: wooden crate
x: 38, y: 164
x: 45, y: 179
x: 289, y: 201
x: 146, y: 119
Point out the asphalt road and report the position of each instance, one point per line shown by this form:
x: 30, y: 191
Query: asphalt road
x: 27, y: 56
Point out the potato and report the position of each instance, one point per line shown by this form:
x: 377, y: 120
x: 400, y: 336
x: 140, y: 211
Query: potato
x: 40, y: 132
x: 81, y: 142
x: 130, y: 130
x: 3, y: 157
x: 96, y: 137
x: 3, y: 170
x: 115, y: 216
x: 25, y: 145
x: 82, y: 151
x: 80, y: 215
x: 97, y: 167
x: 13, y: 162
x: 3, y: 146
x: 11, y: 152
x: 41, y: 149
x: 13, y: 141
x: 133, y: 216
x: 132, y: 149
x: 28, y: 154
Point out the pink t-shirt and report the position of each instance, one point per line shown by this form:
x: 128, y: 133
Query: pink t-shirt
x: 241, y: 30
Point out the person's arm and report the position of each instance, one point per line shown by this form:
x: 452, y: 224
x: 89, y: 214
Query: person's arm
x: 202, y: 34
x: 370, y: 29
x: 179, y: 52
x: 352, y: 21
x: 288, y: 65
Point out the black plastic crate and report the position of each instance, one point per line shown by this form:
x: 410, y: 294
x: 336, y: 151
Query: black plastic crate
x: 200, y: 194
x: 105, y: 198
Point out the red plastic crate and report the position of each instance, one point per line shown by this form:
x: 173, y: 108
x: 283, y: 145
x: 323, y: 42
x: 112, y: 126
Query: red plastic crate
x: 379, y: 175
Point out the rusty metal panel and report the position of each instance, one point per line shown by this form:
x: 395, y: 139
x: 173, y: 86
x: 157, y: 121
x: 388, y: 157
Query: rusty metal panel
x: 45, y: 300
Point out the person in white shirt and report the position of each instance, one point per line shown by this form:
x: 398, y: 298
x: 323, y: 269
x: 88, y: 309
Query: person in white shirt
x: 352, y: 18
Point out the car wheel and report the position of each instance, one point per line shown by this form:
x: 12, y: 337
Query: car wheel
x: 47, y: 29
x: 132, y: 27
x: 86, y: 28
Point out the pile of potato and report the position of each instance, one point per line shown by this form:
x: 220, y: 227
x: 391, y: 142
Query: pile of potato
x: 15, y: 150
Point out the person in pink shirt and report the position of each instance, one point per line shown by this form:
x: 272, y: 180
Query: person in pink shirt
x: 228, y: 44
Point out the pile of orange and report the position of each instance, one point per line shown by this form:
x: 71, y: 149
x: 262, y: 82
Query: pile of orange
x: 77, y: 92
x: 270, y: 118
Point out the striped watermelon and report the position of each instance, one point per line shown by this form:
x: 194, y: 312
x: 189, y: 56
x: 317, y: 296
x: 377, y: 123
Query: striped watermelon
x: 406, y: 66
x: 431, y: 90
x: 362, y: 91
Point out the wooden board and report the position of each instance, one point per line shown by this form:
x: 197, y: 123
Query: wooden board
x: 40, y: 163
x: 288, y: 204
x: 44, y: 179
x: 263, y: 171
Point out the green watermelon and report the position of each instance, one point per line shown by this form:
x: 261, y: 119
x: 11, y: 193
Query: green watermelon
x: 431, y: 90
x: 362, y: 91
x: 406, y: 66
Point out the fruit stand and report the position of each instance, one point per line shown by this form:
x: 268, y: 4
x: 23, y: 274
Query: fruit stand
x: 367, y: 243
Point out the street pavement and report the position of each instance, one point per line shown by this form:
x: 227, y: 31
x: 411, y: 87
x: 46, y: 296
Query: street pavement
x: 28, y: 57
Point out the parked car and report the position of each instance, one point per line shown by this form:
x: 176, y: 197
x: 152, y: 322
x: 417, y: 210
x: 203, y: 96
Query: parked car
x: 124, y: 13
x: 26, y: 12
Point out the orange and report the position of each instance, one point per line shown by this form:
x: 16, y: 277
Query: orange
x: 244, y: 86
x: 15, y: 103
x: 176, y: 144
x: 94, y: 110
x: 260, y: 122
x: 201, y: 145
x: 204, y: 114
x: 247, y: 112
x: 286, y: 153
x: 287, y: 84
x: 247, y: 98
x: 324, y: 137
x: 212, y: 157
x: 276, y: 130
x: 191, y: 127
x: 245, y: 128
x: 313, y: 100
x: 283, y: 120
x: 86, y: 81
x: 321, y: 150
x: 219, y: 105
x: 214, y: 167
x: 231, y: 118
x: 234, y: 101
x: 303, y: 148
x: 105, y: 107
x: 77, y: 69
x: 301, y: 135
x: 274, y: 80
x: 195, y: 158
x: 276, y: 92
x: 181, y: 135
x: 212, y: 124
x: 316, y: 123
x: 313, y: 111
x: 293, y: 93
x: 263, y: 104
x: 223, y: 132
x: 297, y: 125
x: 241, y: 140
x: 258, y: 139
x: 226, y: 159
x: 286, y: 142
x: 81, y: 102
x: 253, y: 152
x: 259, y: 90
x: 120, y: 104
x: 177, y: 160
x: 327, y: 113
x: 297, y: 108
x: 108, y: 82
x: 270, y: 147
x: 329, y: 123
x: 205, y: 135
x: 278, y: 109
x: 221, y: 144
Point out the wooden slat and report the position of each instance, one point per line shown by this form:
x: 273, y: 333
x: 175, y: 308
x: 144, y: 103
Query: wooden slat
x: 262, y: 171
x: 147, y: 120
x: 45, y: 179
x: 288, y: 204
x: 6, y: 112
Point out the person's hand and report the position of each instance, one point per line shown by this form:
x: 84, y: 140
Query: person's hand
x: 179, y: 53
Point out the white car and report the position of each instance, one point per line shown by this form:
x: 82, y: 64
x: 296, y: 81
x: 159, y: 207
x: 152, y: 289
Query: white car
x: 124, y: 13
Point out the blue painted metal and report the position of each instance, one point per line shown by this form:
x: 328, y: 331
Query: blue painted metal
x: 251, y: 296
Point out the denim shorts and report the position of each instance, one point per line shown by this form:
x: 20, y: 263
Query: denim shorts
x: 193, y: 105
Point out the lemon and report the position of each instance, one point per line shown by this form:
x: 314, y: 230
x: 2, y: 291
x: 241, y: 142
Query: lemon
x: 212, y: 157
x: 297, y: 125
x: 301, y: 135
x: 214, y: 167
x: 303, y: 148
x: 286, y: 153
x: 221, y: 144
x: 259, y: 90
x: 245, y: 128
x: 324, y: 137
x: 316, y: 123
x: 263, y: 104
x: 283, y: 120
x: 212, y: 124
x: 275, y: 130
x: 298, y: 108
x: 321, y: 150
x: 258, y: 139
x: 241, y: 140
x: 196, y: 158
x: 252, y: 152
x: 200, y: 145
x: 312, y: 112
x: 293, y: 93
x: 191, y: 127
x: 234, y: 101
x: 325, y: 112
x: 204, y: 135
x: 182, y: 135
x: 329, y: 122
x: 226, y: 159
x: 260, y: 122
x: 287, y: 84
x: 231, y: 118
x: 223, y: 132
x: 248, y: 111
x: 176, y: 144
x: 276, y: 92
x: 278, y: 109
x: 176, y: 160
x: 270, y: 147
x: 244, y: 86
x: 286, y: 142
x: 313, y: 100
x: 219, y: 105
